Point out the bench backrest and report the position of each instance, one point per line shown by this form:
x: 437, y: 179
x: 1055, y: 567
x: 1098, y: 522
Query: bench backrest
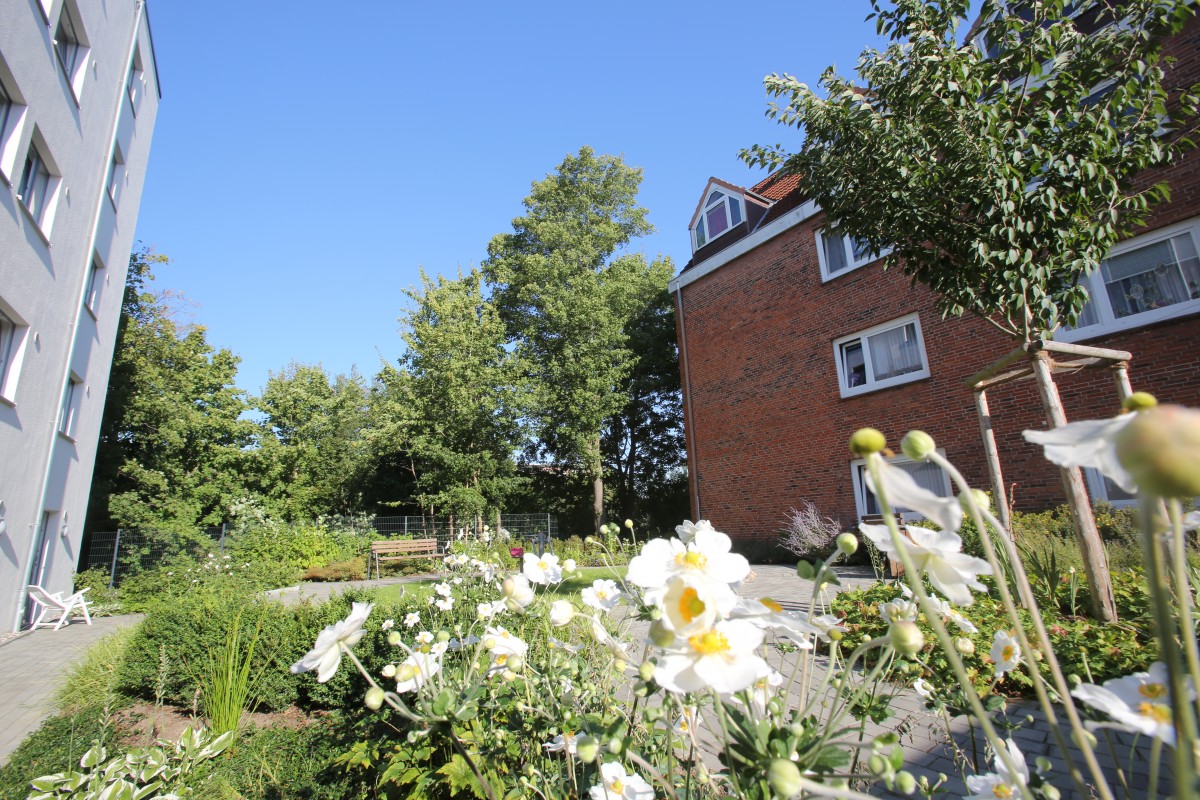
x: 405, y: 546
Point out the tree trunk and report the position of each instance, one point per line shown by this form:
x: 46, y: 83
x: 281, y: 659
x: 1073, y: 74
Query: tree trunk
x: 1091, y: 547
x: 597, y: 487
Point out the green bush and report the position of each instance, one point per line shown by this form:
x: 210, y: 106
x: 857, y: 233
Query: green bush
x: 299, y: 546
x: 102, y: 600
x: 353, y: 570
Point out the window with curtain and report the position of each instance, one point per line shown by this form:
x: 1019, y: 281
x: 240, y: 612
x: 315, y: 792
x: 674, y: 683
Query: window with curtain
x: 928, y: 476
x: 883, y: 356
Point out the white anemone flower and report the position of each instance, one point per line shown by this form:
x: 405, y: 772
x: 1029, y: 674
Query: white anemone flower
x: 489, y: 610
x: 387, y: 625
x: 559, y: 644
x: 445, y: 603
x: 416, y: 670
x: 939, y: 555
x: 903, y: 491
x: 1001, y: 783
x: 723, y: 659
x: 766, y: 614
x: 827, y: 623
x: 503, y: 645
x: 569, y: 565
x: 424, y: 637
x: 561, y: 613
x: 412, y: 619
x: 1140, y: 702
x: 564, y: 742
x: 326, y: 654
x: 543, y: 569
x: 707, y: 556
x: 443, y: 589
x: 388, y: 671
x: 690, y: 606
x: 688, y: 530
x: 602, y: 595
x: 1006, y: 652
x: 518, y: 594
x: 898, y: 610
x: 1088, y: 443
x: 948, y: 612
x: 617, y: 784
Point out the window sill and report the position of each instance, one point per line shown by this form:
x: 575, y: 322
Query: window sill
x: 7, y: 401
x: 37, y: 226
x: 91, y: 311
x: 66, y: 437
x: 826, y: 277
x: 878, y: 386
x: 1133, y: 322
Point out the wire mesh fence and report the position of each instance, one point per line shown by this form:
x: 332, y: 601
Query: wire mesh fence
x: 127, y: 551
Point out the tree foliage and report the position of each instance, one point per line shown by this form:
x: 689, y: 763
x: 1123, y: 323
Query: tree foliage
x: 996, y: 179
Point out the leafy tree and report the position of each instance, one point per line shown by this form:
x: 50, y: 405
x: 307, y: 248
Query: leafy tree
x: 172, y: 447
x: 996, y: 179
x: 566, y: 296
x: 312, y: 449
x: 457, y: 389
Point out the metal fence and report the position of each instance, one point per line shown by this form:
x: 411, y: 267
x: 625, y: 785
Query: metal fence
x: 123, y: 552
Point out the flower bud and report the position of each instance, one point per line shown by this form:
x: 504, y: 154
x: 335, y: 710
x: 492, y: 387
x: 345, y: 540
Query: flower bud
x: 1084, y: 739
x: 847, y: 543
x: 406, y: 673
x: 561, y: 613
x: 876, y: 764
x: 629, y: 524
x: 374, y: 698
x: 615, y: 745
x: 646, y: 670
x: 1139, y: 401
x: 905, y: 783
x: 586, y: 748
x: 964, y: 645
x: 508, y: 675
x: 515, y: 663
x: 1161, y: 449
x: 388, y: 671
x: 661, y: 635
x: 443, y: 635
x: 393, y: 638
x: 906, y: 637
x: 620, y: 664
x: 1050, y: 792
x: 917, y: 445
x: 981, y: 498
x: 490, y: 643
x: 783, y: 776
x: 866, y: 441
x: 806, y: 570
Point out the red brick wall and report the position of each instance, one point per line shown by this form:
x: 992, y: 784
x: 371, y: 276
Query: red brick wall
x: 767, y: 427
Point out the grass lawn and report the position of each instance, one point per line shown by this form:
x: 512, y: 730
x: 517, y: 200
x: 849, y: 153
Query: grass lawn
x: 571, y: 586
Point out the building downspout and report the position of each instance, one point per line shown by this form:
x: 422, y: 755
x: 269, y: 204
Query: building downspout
x: 688, y: 422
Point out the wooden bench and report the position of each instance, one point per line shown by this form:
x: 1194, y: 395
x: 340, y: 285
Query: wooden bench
x: 894, y: 566
x: 402, y: 550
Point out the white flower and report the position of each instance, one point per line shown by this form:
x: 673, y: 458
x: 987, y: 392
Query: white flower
x: 762, y: 690
x: 445, y: 603
x: 518, y: 594
x: 903, y: 491
x: 561, y: 645
x: 412, y: 620
x: 947, y: 611
x: 564, y: 741
x: 387, y: 625
x: 688, y: 530
x: 767, y: 614
x: 939, y: 555
x: 415, y: 670
x: 1006, y: 652
x: 690, y: 606
x: 722, y: 659
x: 561, y: 613
x: 1140, y: 702
x: 443, y: 589
x: 489, y: 610
x: 424, y: 637
x: 827, y: 623
x: 602, y: 595
x: 503, y: 645
x: 1089, y: 443
x: 1001, y: 783
x: 898, y: 610
x: 542, y: 569
x: 569, y: 565
x: 326, y: 654
x: 707, y: 556
x: 388, y: 671
x: 602, y: 636
x: 617, y: 784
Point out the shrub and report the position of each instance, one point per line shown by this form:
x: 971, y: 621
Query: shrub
x: 56, y: 746
x: 353, y: 570
x: 102, y: 600
x: 808, y: 532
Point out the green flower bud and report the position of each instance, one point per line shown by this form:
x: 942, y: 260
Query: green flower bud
x: 1139, y: 401
x: 1161, y: 450
x: 629, y: 524
x: 374, y: 698
x: 615, y: 745
x: 406, y: 673
x: 917, y: 445
x: 981, y: 498
x: 877, y: 764
x: 443, y: 635
x: 508, y: 675
x: 1050, y: 792
x: 905, y: 783
x: 1084, y: 739
x: 784, y: 777
x: 906, y: 637
x: 661, y: 635
x: 964, y: 645
x: 646, y: 670
x: 806, y: 570
x: 393, y: 638
x: 515, y: 663
x: 586, y: 748
x: 847, y: 543
x: 866, y: 441
x: 835, y: 634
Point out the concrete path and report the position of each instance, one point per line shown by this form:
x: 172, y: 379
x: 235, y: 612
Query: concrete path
x: 33, y: 666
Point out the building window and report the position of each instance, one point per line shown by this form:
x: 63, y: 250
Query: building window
x: 837, y: 253
x: 135, y: 81
x: 12, y: 339
x: 722, y: 212
x: 1147, y: 279
x: 70, y: 45
x: 34, y: 188
x: 883, y: 356
x: 1103, y: 490
x: 12, y: 115
x: 91, y: 293
x: 70, y: 408
x: 928, y: 476
x: 116, y: 175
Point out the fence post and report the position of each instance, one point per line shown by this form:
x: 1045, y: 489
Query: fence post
x: 112, y: 573
x: 547, y: 524
x: 222, y: 545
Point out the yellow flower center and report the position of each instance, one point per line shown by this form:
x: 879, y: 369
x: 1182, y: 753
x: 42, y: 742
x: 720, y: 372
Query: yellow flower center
x: 691, y: 559
x: 543, y: 564
x: 601, y: 594
x: 1002, y: 791
x: 1158, y: 712
x: 709, y: 643
x: 771, y: 604
x: 501, y: 659
x: 1007, y: 653
x: 617, y: 786
x: 690, y: 605
x: 1152, y: 691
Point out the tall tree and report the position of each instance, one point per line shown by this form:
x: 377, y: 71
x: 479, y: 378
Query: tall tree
x: 312, y: 450
x: 460, y: 392
x: 567, y: 295
x: 172, y: 447
x: 997, y: 176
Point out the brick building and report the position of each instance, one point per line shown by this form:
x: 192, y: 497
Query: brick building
x: 791, y: 340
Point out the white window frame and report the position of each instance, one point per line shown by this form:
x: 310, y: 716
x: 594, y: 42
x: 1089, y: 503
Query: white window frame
x: 12, y: 120
x: 39, y: 208
x: 69, y: 412
x: 1100, y: 491
x: 95, y: 284
x: 702, y: 218
x: 872, y: 385
x: 1108, y: 322
x: 116, y: 175
x: 13, y: 334
x: 135, y: 81
x: 852, y: 262
x: 78, y: 48
x: 858, y: 477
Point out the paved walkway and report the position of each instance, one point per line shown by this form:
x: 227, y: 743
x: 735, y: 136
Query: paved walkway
x: 33, y: 666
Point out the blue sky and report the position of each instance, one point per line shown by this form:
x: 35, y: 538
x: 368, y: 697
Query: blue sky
x: 309, y: 158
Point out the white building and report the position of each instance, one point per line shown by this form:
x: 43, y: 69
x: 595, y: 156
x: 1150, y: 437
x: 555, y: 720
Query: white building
x: 79, y: 95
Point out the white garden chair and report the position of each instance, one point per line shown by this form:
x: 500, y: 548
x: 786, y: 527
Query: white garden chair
x: 54, y: 601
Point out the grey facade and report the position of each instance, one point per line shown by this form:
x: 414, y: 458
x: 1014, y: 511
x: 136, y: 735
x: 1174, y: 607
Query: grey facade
x: 79, y: 95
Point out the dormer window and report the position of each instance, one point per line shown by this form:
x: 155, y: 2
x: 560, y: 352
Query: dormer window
x: 722, y: 211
